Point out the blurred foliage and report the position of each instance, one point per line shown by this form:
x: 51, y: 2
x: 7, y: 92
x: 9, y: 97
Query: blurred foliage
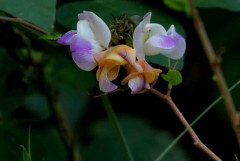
x: 182, y: 5
x: 26, y: 59
x: 46, y: 144
x: 232, y: 5
x: 145, y: 141
x: 178, y: 5
x: 39, y: 12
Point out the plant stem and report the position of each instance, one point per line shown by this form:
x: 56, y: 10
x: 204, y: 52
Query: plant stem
x: 64, y: 130
x: 215, y: 66
x: 197, y: 142
x: 194, y: 122
x: 115, y: 123
x: 24, y: 23
x: 169, y: 64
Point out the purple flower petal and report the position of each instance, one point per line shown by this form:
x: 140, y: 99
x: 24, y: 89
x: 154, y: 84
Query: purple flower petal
x: 65, y: 39
x: 82, y: 53
x: 138, y: 36
x: 104, y: 83
x: 137, y: 84
x: 157, y: 43
x: 179, y: 49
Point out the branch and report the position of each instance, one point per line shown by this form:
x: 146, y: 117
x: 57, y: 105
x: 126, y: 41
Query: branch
x: 65, y: 131
x: 24, y: 23
x: 197, y: 142
x: 215, y: 66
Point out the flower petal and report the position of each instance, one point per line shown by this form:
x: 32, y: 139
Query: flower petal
x: 136, y: 84
x: 138, y: 36
x: 65, y: 38
x: 113, y: 72
x: 82, y: 53
x: 104, y: 83
x: 84, y: 30
x: 99, y: 28
x: 155, y: 29
x: 179, y: 49
x: 157, y: 43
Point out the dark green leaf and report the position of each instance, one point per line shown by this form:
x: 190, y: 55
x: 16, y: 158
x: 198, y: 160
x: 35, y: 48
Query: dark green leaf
x: 38, y: 12
x: 145, y: 142
x: 163, y: 61
x: 74, y: 104
x: 67, y: 13
x: 45, y: 144
x: 232, y: 5
x: 37, y: 104
x: 178, y: 5
x: 64, y: 73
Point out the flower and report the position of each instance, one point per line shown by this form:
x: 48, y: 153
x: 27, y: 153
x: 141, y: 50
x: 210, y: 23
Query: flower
x: 151, y: 39
x: 109, y: 63
x: 92, y: 36
x: 141, y: 76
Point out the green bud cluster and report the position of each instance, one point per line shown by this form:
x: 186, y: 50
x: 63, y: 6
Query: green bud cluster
x: 122, y: 29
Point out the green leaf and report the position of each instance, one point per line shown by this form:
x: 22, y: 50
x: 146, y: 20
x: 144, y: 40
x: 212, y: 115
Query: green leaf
x: 26, y: 155
x: 67, y: 13
x: 163, y: 61
x: 51, y: 36
x: 45, y: 142
x: 178, y: 5
x: 145, y: 142
x: 38, y: 12
x: 11, y: 96
x: 174, y: 77
x: 37, y: 104
x: 74, y: 104
x: 232, y: 5
x: 64, y: 73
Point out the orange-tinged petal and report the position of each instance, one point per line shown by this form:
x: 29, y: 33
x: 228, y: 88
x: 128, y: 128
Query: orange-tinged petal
x: 99, y: 72
x: 113, y: 71
x: 152, y: 75
x: 114, y: 55
x: 130, y: 76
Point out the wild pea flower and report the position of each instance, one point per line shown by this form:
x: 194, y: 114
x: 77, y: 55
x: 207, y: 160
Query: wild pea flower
x: 151, y: 39
x: 141, y: 76
x: 89, y: 47
x: 109, y: 63
x: 92, y: 36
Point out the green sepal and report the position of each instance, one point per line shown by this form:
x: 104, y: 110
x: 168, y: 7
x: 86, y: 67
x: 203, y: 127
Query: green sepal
x: 173, y: 77
x: 51, y: 36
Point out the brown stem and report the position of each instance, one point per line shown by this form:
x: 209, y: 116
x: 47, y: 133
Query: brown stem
x: 197, y: 142
x: 104, y: 94
x: 20, y: 21
x: 64, y: 130
x: 215, y: 66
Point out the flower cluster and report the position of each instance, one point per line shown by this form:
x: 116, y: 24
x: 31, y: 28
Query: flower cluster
x: 89, y: 45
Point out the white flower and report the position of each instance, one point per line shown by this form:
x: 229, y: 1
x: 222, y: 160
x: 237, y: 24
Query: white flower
x: 151, y: 39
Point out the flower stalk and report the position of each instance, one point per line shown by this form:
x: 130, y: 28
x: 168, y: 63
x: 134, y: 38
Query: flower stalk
x: 115, y: 123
